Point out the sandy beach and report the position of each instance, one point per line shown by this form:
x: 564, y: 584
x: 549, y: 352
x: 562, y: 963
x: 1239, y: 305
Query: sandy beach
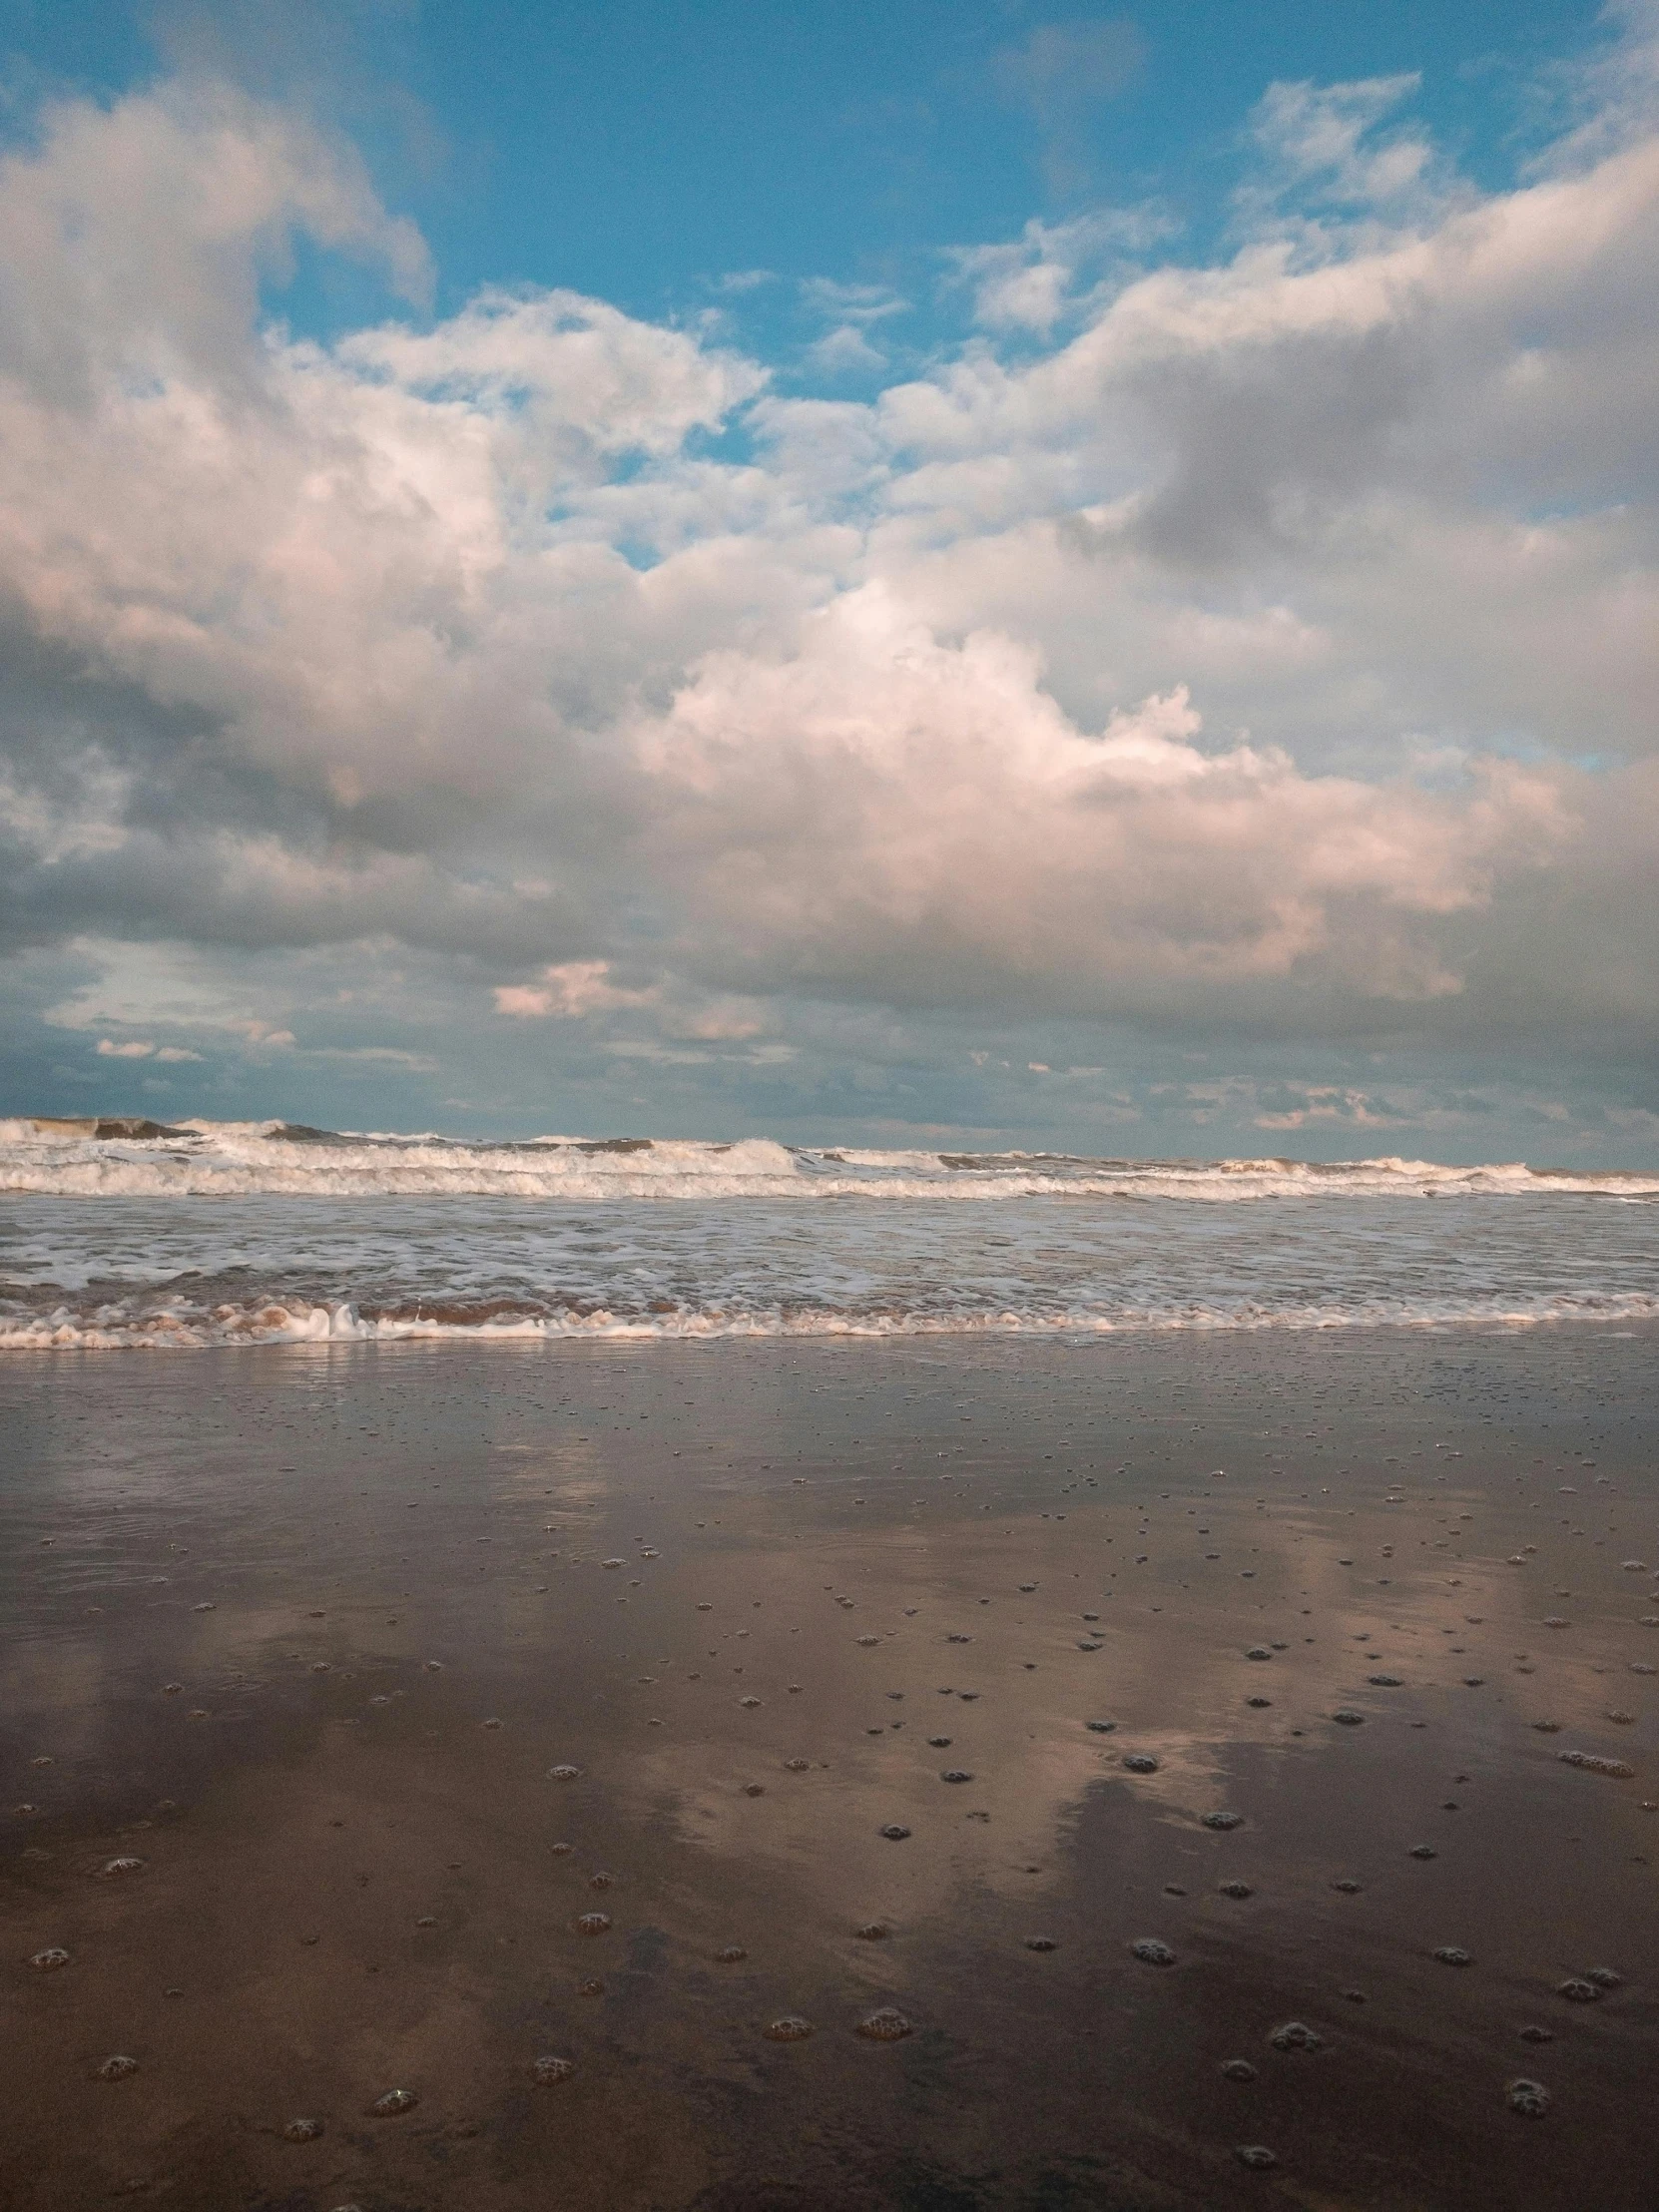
x: 841, y: 1680
x: 828, y: 1106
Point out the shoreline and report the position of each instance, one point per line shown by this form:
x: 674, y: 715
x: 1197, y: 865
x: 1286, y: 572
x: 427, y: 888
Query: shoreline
x: 602, y: 1329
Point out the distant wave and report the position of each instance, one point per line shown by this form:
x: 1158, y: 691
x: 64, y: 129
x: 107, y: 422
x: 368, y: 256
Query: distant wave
x: 118, y: 1158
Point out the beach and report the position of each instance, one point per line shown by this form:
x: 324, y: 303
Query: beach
x: 346, y: 1682
x: 828, y: 1124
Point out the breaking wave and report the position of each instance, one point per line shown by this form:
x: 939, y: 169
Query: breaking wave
x: 119, y: 1234
x: 197, y: 1159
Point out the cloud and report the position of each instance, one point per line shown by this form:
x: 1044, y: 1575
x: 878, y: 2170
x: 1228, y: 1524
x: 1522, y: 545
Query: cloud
x: 854, y: 310
x: 837, y: 301
x: 1326, y: 1102
x: 1262, y: 645
x: 181, y: 987
x: 134, y: 239
x: 1611, y: 97
x: 899, y: 809
x: 139, y: 1048
x: 1324, y: 137
x: 1062, y: 72
x: 845, y: 351
x: 569, y: 993
x: 1030, y: 283
x: 571, y: 376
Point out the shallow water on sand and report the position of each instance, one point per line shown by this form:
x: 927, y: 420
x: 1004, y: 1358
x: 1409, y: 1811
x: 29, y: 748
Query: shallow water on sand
x: 467, y: 1709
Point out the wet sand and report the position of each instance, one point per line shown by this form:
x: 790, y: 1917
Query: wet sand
x: 308, y: 1636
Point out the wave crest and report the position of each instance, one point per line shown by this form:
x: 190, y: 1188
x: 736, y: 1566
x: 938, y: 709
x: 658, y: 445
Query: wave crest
x: 118, y: 1158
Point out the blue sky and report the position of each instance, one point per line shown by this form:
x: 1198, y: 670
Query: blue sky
x: 643, y: 152
x: 1007, y: 573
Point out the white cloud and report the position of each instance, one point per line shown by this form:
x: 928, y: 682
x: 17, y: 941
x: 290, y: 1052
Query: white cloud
x: 571, y: 368
x: 1324, y: 136
x: 1032, y: 281
x: 1278, y: 644
x: 570, y: 992
x: 854, y: 311
x: 135, y: 237
x: 845, y: 351
x: 138, y: 1048
x: 843, y: 302
x: 924, y: 817
x: 1329, y: 1103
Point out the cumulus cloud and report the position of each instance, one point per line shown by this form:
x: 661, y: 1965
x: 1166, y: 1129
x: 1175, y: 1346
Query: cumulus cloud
x: 135, y: 238
x: 1270, y: 640
x: 896, y: 808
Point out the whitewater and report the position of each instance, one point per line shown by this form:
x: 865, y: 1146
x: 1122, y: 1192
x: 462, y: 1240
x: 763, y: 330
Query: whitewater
x: 136, y: 1234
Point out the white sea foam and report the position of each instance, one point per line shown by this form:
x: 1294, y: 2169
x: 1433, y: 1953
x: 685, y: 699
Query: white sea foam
x: 181, y: 1327
x: 247, y: 1159
x: 219, y: 1234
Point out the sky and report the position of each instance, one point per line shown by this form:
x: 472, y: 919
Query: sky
x: 956, y: 572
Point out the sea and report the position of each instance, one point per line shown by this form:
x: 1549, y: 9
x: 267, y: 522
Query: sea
x: 121, y: 1234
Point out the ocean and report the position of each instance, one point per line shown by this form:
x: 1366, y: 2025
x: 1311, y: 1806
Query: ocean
x: 137, y: 1235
